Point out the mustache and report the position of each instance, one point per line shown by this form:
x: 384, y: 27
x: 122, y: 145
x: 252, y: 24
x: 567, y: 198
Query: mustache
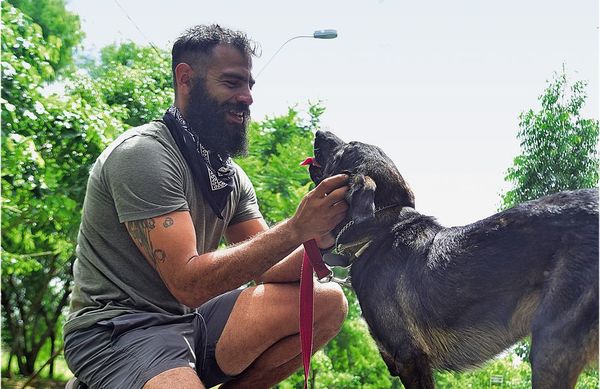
x: 237, y: 107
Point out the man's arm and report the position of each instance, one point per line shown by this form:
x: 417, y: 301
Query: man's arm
x: 169, y: 243
x: 286, y: 270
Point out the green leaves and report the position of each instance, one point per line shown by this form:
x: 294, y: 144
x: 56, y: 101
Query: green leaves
x: 277, y: 146
x: 558, y: 146
x: 58, y: 27
x: 48, y: 146
x: 135, y: 81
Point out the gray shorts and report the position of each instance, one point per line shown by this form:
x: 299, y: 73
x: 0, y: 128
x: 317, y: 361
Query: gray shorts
x: 128, y: 350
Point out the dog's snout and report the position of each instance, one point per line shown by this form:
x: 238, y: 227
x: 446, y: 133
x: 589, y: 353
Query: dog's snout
x: 326, y: 144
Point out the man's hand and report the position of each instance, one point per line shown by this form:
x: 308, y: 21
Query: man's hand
x: 325, y: 241
x: 322, y: 208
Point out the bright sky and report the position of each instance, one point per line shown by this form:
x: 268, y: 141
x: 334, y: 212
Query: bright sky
x: 437, y: 84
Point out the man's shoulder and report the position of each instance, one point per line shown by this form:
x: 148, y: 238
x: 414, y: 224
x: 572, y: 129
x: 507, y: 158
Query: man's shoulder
x: 144, y: 147
x: 237, y: 167
x: 153, y: 133
x: 240, y: 173
x: 152, y: 137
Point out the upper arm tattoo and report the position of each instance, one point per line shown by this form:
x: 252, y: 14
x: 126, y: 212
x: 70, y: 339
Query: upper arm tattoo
x: 168, y: 222
x: 140, y: 232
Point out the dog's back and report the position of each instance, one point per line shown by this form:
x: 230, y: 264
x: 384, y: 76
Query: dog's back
x: 506, y: 268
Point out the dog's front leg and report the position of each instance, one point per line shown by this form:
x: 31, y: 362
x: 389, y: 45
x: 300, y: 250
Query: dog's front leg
x: 414, y: 371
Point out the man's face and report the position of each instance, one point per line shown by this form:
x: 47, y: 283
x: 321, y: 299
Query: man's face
x: 219, y: 103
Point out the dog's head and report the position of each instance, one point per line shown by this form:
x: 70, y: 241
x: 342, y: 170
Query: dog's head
x: 375, y: 182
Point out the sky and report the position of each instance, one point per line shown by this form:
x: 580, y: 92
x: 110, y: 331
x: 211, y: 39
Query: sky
x: 438, y: 85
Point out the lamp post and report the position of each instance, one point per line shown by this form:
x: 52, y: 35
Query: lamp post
x: 318, y: 34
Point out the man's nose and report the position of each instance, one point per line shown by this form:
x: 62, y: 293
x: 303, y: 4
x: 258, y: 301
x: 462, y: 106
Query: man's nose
x: 245, y: 97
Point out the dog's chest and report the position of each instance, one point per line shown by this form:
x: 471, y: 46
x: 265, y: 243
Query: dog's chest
x: 386, y: 296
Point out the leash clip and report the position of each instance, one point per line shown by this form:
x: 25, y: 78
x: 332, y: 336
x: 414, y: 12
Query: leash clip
x: 331, y: 277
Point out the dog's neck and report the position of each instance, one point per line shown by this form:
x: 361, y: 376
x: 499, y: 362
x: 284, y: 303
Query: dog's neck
x: 389, y: 208
x: 354, y: 238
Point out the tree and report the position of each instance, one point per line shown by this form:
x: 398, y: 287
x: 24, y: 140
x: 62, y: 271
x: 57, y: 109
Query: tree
x: 558, y: 146
x: 277, y: 146
x: 60, y: 28
x: 136, y: 82
x: 48, y: 145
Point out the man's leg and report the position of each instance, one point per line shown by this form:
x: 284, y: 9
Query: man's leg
x: 136, y: 350
x: 261, y: 340
x: 180, y: 378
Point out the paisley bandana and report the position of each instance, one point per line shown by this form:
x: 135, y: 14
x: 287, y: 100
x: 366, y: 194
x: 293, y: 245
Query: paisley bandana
x: 213, y: 172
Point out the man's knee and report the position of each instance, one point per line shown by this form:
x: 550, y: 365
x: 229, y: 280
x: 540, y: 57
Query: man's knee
x: 181, y: 377
x: 331, y: 308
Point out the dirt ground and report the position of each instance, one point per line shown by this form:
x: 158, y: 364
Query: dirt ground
x: 40, y: 384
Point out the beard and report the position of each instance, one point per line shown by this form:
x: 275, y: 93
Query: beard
x: 207, y: 119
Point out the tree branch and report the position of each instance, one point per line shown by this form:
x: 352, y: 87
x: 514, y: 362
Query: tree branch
x: 51, y: 324
x: 37, y: 373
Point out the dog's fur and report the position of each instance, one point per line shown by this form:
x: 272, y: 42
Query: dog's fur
x: 452, y: 298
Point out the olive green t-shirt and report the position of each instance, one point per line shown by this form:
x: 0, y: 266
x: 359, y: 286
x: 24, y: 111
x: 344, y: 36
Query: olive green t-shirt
x: 140, y: 175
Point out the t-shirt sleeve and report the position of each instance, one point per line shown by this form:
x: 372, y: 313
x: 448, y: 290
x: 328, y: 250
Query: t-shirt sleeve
x: 247, y: 207
x: 145, y: 179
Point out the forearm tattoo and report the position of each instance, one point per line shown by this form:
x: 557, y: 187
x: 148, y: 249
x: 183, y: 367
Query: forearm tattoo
x: 140, y: 232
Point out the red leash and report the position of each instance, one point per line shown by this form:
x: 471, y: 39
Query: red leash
x: 312, y: 260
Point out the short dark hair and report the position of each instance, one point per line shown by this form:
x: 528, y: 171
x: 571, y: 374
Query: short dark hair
x: 199, y: 41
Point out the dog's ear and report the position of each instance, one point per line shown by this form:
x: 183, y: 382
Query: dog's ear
x: 361, y: 197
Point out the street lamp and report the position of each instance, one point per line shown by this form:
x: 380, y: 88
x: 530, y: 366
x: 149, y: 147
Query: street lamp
x: 319, y: 34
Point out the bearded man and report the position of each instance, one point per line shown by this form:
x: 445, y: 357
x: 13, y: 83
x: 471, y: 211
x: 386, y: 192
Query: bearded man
x: 155, y: 304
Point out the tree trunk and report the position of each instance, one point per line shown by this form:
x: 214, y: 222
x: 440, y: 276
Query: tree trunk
x: 52, y: 347
x: 35, y: 375
x: 8, y: 369
x: 21, y: 362
x: 50, y: 332
x: 29, y: 363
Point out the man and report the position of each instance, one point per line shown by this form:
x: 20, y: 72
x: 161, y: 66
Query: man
x: 159, y: 200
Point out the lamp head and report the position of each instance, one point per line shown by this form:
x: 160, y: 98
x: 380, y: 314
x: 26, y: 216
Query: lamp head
x: 325, y: 34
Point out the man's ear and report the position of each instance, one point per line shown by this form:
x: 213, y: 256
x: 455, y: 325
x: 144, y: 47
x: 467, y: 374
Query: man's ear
x: 184, y: 75
x: 361, y: 198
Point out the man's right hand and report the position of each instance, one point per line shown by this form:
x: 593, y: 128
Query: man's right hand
x: 322, y: 208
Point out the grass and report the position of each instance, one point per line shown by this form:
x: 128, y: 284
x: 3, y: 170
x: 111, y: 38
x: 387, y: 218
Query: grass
x: 17, y: 383
x: 61, y: 375
x: 515, y: 375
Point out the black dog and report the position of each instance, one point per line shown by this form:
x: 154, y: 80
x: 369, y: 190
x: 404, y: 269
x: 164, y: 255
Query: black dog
x: 452, y: 298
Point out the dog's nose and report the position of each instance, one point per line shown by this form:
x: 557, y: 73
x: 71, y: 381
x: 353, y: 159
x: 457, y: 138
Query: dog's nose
x: 323, y: 136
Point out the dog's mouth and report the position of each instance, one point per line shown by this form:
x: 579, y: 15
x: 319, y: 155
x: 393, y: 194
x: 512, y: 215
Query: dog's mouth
x: 314, y: 168
x: 310, y: 161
